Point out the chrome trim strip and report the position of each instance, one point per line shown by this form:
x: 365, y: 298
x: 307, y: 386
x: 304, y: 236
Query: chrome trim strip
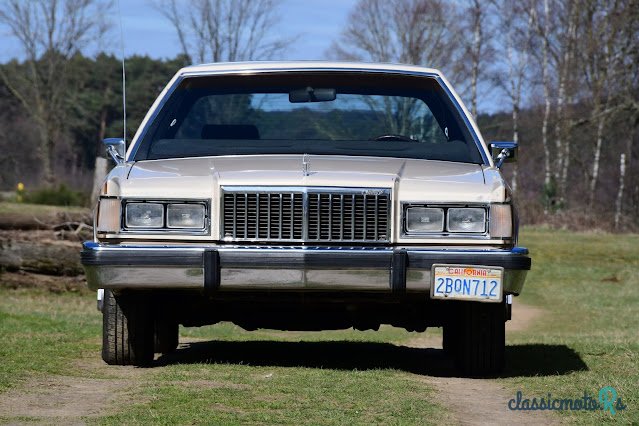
x: 240, y: 71
x: 92, y: 245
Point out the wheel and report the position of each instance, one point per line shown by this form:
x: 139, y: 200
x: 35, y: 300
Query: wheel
x: 127, y: 330
x: 480, y: 341
x: 166, y: 336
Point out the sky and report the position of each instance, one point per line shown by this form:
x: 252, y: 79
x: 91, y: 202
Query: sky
x: 313, y: 24
x: 146, y: 31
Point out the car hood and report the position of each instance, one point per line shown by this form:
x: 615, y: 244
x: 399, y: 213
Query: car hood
x: 410, y: 179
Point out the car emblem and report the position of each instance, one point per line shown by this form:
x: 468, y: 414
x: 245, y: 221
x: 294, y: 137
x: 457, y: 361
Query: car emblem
x: 305, y: 164
x: 373, y: 192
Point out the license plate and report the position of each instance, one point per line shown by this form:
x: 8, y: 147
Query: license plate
x: 467, y: 282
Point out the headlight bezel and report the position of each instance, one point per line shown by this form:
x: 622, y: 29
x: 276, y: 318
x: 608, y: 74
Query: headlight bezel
x: 165, y: 229
x: 405, y: 233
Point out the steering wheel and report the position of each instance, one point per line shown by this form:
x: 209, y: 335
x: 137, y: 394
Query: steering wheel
x: 394, y: 138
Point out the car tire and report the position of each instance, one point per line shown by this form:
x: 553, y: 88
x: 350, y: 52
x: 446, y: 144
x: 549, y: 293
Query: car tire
x: 127, y: 330
x: 480, y: 339
x: 167, y: 335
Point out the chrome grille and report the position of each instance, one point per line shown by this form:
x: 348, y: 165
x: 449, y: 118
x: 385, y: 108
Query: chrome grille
x: 263, y: 216
x: 306, y: 214
x: 347, y: 217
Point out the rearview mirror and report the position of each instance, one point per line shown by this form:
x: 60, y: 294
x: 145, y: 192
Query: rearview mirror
x: 309, y: 94
x: 116, y: 148
x: 503, y: 152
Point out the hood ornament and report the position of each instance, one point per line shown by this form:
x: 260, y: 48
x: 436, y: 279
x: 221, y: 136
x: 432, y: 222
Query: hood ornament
x: 306, y: 161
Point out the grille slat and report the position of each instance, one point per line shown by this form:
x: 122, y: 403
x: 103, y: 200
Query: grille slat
x: 246, y: 213
x: 352, y: 218
x: 317, y: 215
x: 280, y: 216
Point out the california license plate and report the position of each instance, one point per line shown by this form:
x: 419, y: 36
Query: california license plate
x: 467, y: 282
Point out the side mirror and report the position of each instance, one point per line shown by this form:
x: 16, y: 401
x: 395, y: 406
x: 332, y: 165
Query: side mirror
x: 503, y: 152
x: 116, y: 148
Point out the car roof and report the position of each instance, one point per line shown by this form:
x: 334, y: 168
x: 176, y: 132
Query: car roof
x: 268, y: 66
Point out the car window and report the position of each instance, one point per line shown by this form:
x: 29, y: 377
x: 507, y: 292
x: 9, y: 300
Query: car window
x: 350, y: 117
x: 266, y: 115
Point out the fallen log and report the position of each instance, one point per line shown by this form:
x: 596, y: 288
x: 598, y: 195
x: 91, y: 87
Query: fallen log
x: 40, y: 255
x: 47, y: 219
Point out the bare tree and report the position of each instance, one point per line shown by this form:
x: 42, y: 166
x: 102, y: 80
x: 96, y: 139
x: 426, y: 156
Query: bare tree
x: 475, y: 42
x: 224, y: 30
x: 604, y: 48
x: 546, y: 82
x: 50, y: 33
x: 622, y: 181
x: 555, y: 26
x: 420, y: 32
x: 517, y: 42
x: 625, y: 85
x: 564, y: 57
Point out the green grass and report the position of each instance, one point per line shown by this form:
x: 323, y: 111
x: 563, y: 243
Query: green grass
x: 588, y: 338
x: 237, y: 394
x: 41, y: 332
x: 47, y: 334
x: 586, y: 283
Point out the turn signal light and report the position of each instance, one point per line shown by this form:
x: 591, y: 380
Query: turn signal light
x: 108, y: 219
x: 501, y: 221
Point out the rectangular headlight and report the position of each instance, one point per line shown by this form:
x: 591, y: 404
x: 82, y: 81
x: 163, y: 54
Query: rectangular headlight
x: 185, y: 216
x: 144, y: 215
x: 468, y: 219
x: 424, y: 219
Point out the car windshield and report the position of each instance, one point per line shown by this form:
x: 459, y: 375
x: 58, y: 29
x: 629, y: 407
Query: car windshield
x: 385, y: 115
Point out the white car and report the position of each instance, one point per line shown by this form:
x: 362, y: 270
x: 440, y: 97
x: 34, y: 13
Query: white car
x: 307, y: 196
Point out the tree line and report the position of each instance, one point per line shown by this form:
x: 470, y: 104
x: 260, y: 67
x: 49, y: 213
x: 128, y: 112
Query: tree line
x: 559, y: 77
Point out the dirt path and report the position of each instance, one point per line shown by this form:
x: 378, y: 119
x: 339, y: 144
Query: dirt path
x: 70, y: 399
x: 523, y: 316
x: 482, y: 401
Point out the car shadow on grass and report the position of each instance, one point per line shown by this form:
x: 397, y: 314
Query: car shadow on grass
x: 521, y: 360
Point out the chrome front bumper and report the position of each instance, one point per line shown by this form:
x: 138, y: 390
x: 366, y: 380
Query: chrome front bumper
x: 212, y: 267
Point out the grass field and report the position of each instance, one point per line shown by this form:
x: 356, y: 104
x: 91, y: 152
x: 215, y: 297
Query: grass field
x: 586, y: 338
